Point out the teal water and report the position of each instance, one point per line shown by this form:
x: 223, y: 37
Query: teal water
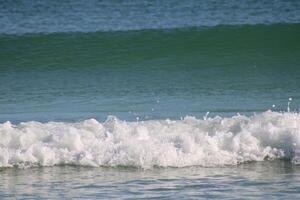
x: 153, y: 74
x: 149, y: 99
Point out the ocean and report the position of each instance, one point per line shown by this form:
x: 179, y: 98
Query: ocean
x: 149, y: 99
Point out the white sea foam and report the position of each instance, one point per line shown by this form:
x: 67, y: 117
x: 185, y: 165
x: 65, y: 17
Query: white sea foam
x: 210, y: 142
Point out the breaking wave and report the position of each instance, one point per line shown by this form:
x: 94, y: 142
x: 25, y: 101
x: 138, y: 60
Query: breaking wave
x: 207, y: 142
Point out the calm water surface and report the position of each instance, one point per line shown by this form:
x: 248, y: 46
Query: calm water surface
x: 278, y: 179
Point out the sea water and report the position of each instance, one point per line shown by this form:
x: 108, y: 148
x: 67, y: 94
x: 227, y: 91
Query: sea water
x: 149, y: 99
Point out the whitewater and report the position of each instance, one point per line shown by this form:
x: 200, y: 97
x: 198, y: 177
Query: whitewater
x: 207, y: 142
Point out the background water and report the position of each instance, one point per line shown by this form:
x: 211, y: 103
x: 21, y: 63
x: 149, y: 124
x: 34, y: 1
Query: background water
x: 149, y: 61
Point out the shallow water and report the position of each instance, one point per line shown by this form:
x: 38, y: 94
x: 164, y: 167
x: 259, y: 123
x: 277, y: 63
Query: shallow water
x: 258, y: 180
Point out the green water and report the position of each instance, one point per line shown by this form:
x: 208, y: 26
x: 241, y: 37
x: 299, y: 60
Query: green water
x: 149, y: 74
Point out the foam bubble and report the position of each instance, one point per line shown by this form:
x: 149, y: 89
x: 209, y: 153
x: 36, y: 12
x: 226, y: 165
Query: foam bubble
x: 188, y: 142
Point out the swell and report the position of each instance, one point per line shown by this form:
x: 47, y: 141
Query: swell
x: 205, y: 142
x: 153, y: 74
x: 267, y: 45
